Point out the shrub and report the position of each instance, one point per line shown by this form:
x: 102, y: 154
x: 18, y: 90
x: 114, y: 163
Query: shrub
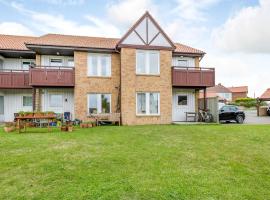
x: 247, y: 102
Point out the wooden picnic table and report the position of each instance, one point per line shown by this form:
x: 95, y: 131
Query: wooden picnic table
x: 19, y: 120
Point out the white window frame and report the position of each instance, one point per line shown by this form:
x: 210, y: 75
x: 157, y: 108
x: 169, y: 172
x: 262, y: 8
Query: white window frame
x: 99, y: 103
x: 22, y: 101
x: 31, y: 62
x: 147, y: 104
x: 99, y: 67
x: 147, y: 63
x: 182, y: 60
x: 56, y: 58
x: 55, y: 106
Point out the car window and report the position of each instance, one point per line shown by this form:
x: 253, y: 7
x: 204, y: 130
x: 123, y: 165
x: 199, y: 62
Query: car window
x: 225, y: 108
x: 233, y: 108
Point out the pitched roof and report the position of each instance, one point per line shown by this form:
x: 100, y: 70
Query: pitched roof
x: 14, y: 42
x: 238, y: 89
x: 218, y: 89
x: 74, y: 41
x: 181, y: 48
x: 266, y: 94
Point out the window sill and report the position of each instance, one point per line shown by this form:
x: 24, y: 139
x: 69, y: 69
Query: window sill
x: 106, y: 77
x: 147, y: 115
x: 155, y: 75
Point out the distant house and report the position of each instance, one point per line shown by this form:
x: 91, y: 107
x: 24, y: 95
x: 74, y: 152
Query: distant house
x: 266, y: 95
x: 239, y: 92
x: 220, y: 91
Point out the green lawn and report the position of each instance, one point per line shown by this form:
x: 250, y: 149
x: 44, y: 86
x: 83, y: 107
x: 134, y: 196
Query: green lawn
x: 141, y: 162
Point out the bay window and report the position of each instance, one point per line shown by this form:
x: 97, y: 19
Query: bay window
x: 99, y: 103
x: 147, y: 62
x: 99, y: 65
x: 147, y: 103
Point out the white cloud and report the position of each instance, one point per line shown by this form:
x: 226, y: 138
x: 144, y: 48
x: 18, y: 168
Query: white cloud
x: 49, y: 23
x: 13, y: 28
x: 193, y: 9
x: 248, y: 31
x: 125, y: 13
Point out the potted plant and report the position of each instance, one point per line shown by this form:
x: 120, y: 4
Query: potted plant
x: 21, y: 114
x: 38, y: 114
x: 94, y: 124
x: 28, y: 114
x: 70, y: 128
x: 9, y: 127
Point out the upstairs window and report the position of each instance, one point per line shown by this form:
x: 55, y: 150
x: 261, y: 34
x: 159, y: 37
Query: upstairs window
x: 27, y: 64
x: 147, y: 62
x: 58, y: 62
x: 99, y: 65
x: 182, y: 63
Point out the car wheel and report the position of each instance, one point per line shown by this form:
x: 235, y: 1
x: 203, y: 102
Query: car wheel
x: 239, y: 119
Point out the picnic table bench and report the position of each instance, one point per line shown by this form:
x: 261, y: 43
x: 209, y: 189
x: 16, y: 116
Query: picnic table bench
x: 19, y: 121
x: 106, y: 117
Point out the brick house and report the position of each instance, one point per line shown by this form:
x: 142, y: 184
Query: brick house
x: 239, y: 92
x: 144, y: 75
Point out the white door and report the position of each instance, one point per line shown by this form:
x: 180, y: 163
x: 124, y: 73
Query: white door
x: 182, y: 102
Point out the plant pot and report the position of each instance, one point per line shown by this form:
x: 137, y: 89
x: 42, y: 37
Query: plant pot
x: 70, y: 128
x: 89, y: 125
x: 29, y: 115
x: 9, y: 129
x: 64, y: 128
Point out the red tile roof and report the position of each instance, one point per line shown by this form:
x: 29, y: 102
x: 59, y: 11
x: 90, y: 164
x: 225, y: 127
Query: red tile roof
x: 238, y: 89
x: 75, y: 41
x: 17, y: 42
x: 218, y: 89
x: 181, y: 48
x: 14, y: 42
x: 266, y: 94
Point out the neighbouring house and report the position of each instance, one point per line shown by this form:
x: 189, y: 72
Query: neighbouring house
x: 144, y: 76
x: 223, y: 93
x: 239, y: 92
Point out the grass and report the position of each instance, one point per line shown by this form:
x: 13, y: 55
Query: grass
x: 142, y: 162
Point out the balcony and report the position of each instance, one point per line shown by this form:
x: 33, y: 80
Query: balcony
x: 193, y: 77
x: 52, y: 76
x: 14, y: 79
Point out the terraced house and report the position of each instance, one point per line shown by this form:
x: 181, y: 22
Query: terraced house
x: 144, y: 75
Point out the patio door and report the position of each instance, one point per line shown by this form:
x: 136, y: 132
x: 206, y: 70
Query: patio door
x: 183, y: 102
x: 2, y: 114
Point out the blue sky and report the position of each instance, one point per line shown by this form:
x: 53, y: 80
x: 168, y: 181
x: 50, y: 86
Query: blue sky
x: 232, y: 32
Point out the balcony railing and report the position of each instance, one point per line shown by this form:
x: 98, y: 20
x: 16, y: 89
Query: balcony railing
x: 14, y: 79
x: 52, y: 76
x: 193, y: 77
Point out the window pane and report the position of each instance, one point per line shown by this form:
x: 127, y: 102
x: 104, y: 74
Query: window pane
x: 27, y: 101
x: 56, y: 100
x: 25, y: 65
x: 70, y: 62
x: 93, y: 66
x: 153, y: 98
x: 104, y: 66
x: 106, y: 103
x: 182, y: 63
x: 141, y: 103
x: 153, y: 62
x: 182, y: 100
x: 93, y: 109
x: 1, y: 105
x: 141, y: 63
x: 56, y: 62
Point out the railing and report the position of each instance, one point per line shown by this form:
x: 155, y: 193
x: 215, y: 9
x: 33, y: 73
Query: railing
x: 52, y: 76
x: 193, y: 77
x: 10, y: 78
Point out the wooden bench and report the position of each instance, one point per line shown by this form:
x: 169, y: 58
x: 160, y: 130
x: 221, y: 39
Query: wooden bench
x: 106, y: 117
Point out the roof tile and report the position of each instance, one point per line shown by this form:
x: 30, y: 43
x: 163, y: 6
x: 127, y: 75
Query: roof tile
x: 14, y: 42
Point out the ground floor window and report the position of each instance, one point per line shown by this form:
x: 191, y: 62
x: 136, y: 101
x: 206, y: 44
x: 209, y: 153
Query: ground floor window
x: 27, y: 101
x: 56, y: 100
x: 147, y: 103
x: 99, y: 103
